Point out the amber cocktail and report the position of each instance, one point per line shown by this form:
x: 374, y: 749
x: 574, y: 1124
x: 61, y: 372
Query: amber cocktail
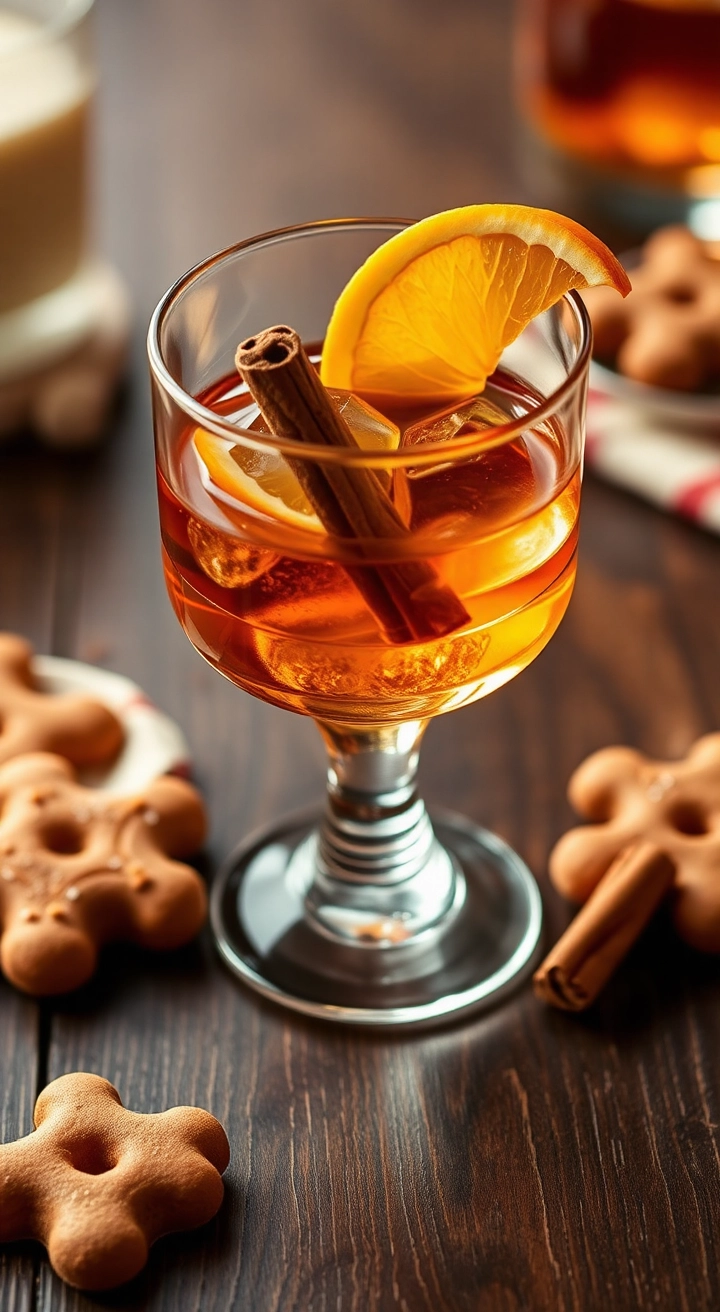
x: 630, y: 88
x: 371, y: 913
x: 634, y: 85
x: 499, y: 527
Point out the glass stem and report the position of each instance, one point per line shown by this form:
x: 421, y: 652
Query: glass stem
x: 381, y: 872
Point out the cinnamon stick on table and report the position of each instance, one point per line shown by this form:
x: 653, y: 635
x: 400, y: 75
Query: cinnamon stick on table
x: 407, y: 598
x: 604, y: 930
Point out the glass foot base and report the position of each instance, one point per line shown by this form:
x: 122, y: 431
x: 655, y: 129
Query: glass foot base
x: 380, y: 973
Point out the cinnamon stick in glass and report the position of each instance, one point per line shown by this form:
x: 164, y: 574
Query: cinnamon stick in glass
x: 407, y: 598
x: 605, y: 928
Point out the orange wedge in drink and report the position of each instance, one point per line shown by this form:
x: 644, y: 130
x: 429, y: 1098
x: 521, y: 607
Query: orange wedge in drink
x: 429, y: 314
x: 260, y: 480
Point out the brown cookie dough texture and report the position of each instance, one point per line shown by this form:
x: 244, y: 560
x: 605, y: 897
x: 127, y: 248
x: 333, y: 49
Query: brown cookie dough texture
x: 667, y: 330
x: 78, y: 727
x: 675, y: 805
x: 79, y: 868
x: 98, y: 1184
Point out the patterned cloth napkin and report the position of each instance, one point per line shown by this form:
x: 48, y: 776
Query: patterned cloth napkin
x: 676, y: 469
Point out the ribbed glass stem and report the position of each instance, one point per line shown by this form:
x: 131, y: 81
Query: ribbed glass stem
x: 381, y: 872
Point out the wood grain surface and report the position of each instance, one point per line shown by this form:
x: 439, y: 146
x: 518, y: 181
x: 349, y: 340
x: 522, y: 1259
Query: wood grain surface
x: 521, y: 1162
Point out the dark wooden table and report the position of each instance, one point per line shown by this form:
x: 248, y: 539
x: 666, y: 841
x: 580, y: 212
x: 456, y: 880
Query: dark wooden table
x: 523, y: 1160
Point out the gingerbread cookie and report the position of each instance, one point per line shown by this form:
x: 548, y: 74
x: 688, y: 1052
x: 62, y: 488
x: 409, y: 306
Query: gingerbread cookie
x: 98, y: 1184
x: 667, y: 331
x: 79, y: 867
x: 673, y: 805
x: 80, y: 728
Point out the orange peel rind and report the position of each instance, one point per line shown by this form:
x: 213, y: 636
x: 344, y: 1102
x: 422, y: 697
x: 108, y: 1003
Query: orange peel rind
x: 429, y: 313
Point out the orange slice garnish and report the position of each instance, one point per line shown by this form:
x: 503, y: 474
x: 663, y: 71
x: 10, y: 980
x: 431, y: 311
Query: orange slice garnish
x: 261, y: 481
x: 429, y: 313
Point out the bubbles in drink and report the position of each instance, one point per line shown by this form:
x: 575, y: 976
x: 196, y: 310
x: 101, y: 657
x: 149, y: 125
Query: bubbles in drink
x: 376, y: 674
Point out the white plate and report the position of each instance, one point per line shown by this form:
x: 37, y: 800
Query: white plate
x: 696, y: 411
x: 153, y: 743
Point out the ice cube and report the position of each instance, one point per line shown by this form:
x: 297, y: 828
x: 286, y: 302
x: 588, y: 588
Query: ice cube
x: 226, y: 561
x: 457, y: 421
x: 371, y: 430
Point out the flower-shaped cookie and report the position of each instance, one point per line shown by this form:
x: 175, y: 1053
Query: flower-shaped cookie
x: 79, y: 867
x: 98, y: 1184
x: 80, y: 728
x: 667, y: 331
x: 674, y: 805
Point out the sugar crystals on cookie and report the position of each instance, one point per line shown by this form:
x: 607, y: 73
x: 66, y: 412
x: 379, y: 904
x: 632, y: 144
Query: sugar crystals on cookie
x: 98, y: 1184
x: 79, y: 868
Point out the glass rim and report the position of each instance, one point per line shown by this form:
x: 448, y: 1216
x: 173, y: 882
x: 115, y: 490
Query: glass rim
x: 430, y: 453
x: 52, y: 28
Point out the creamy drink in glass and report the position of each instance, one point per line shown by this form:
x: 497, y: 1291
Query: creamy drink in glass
x: 45, y: 89
x: 49, y: 285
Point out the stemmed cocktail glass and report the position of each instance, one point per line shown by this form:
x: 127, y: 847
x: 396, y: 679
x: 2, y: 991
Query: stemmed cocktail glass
x: 371, y: 912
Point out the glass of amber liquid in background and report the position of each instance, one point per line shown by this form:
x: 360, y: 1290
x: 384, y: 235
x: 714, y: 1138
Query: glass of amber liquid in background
x: 370, y: 912
x: 629, y: 90
x: 46, y: 85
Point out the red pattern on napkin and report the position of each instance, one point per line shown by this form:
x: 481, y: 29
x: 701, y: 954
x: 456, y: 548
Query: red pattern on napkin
x: 677, y: 470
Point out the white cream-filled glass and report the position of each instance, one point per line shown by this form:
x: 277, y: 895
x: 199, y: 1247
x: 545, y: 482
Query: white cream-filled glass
x: 47, y: 80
